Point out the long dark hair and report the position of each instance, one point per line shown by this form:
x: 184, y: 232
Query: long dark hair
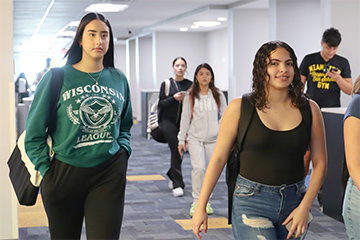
x: 74, y: 53
x: 195, y: 89
x: 260, y: 85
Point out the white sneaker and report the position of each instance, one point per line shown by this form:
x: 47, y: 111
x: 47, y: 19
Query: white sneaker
x: 171, y: 186
x: 178, y: 192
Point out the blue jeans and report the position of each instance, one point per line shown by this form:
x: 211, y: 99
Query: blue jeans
x: 351, y: 210
x: 259, y: 210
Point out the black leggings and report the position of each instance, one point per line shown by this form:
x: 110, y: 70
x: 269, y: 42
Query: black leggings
x: 170, y: 130
x: 71, y: 193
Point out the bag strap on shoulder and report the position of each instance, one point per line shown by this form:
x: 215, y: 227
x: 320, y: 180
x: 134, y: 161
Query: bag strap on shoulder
x: 167, y: 87
x: 307, y: 116
x: 246, y: 114
x: 57, y: 80
x: 247, y: 111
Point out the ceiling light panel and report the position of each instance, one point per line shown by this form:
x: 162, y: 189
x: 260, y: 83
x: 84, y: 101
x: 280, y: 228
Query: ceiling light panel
x: 106, y: 7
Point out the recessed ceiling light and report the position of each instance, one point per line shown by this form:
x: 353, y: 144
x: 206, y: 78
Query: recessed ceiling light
x: 106, y: 7
x: 207, y: 23
x: 194, y: 26
x: 222, y: 19
x: 184, y: 29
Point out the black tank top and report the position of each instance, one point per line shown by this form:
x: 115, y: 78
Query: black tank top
x: 273, y: 157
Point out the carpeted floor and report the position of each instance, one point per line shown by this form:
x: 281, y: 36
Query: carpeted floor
x: 151, y: 212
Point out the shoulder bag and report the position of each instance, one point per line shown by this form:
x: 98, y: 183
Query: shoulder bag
x: 24, y: 178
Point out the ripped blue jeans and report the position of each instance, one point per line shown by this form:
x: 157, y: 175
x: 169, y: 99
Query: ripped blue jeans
x: 259, y: 210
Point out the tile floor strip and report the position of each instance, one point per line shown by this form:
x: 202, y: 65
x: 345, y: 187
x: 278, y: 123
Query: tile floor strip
x: 213, y: 223
x: 145, y: 177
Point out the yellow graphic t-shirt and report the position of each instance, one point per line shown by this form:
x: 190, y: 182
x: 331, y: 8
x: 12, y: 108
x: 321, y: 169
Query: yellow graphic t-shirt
x: 320, y: 87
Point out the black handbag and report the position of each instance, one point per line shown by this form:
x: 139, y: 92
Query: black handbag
x: 153, y: 126
x: 19, y: 175
x: 24, y: 178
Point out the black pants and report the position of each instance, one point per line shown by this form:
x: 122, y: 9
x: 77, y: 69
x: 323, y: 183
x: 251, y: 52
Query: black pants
x: 170, y: 130
x: 70, y: 193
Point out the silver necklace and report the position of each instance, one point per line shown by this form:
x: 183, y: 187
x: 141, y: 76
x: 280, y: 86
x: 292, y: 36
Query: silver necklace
x: 96, y: 80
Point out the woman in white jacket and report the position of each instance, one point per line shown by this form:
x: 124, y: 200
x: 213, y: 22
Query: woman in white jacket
x: 203, y: 107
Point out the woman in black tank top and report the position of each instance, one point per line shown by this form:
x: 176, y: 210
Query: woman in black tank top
x: 270, y: 200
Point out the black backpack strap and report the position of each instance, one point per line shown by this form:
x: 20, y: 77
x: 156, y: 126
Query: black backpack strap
x: 307, y: 116
x: 233, y: 164
x: 57, y: 80
x: 247, y: 111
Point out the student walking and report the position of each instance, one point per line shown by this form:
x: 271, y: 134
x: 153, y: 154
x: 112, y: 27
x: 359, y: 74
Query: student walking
x: 326, y: 75
x: 270, y: 191
x: 170, y: 107
x: 203, y: 107
x: 91, y: 138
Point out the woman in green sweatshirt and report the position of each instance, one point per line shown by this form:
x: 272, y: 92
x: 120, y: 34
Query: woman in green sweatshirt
x: 91, y: 138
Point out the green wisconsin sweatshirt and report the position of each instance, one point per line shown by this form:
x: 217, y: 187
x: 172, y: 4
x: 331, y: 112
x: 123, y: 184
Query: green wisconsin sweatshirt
x: 92, y: 121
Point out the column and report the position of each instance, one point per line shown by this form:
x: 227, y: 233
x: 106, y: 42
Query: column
x: 8, y: 210
x: 247, y: 31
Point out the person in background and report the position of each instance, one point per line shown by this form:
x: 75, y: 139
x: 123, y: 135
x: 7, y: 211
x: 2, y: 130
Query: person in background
x: 202, y: 109
x: 21, y: 87
x: 169, y: 119
x: 351, y: 204
x: 270, y: 190
x: 326, y: 75
x: 91, y: 138
x: 40, y: 74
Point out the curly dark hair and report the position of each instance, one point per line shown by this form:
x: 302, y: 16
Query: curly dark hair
x: 260, y: 85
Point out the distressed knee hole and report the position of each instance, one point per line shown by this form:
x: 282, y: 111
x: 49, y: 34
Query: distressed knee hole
x: 261, y: 237
x: 257, y: 222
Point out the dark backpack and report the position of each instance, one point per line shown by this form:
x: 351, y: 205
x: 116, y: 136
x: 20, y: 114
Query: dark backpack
x: 153, y: 127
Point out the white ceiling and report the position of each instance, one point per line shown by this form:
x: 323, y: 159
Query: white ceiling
x: 41, y: 20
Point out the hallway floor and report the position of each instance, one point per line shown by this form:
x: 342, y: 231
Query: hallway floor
x: 151, y: 211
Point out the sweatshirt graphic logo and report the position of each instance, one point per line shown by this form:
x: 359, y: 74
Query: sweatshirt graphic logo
x: 95, y: 111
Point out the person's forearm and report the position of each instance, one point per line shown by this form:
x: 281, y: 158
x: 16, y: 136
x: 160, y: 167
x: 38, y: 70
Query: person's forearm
x: 316, y: 181
x: 212, y: 175
x: 344, y: 84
